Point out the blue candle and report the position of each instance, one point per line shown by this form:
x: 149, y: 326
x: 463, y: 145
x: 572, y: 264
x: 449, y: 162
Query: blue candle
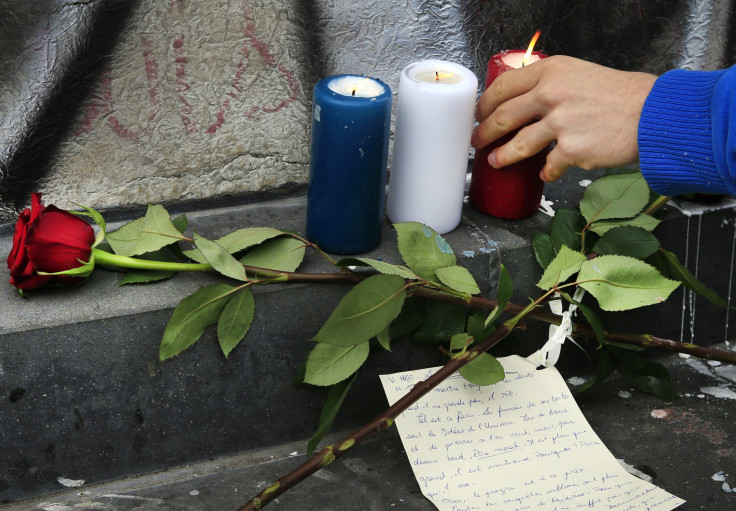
x: 350, y: 131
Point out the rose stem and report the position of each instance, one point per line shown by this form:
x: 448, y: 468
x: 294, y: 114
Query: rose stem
x: 643, y: 340
x: 383, y: 421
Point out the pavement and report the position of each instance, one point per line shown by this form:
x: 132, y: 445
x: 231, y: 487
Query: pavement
x: 687, y: 447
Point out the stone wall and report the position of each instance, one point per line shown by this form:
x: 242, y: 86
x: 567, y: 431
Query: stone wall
x: 119, y: 103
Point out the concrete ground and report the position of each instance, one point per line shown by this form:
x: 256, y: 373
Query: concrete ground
x: 686, y: 446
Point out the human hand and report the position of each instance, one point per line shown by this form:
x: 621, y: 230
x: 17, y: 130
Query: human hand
x: 591, y: 111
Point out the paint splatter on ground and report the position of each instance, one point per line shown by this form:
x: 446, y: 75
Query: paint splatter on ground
x: 687, y: 422
x: 721, y: 477
x: 575, y: 380
x: 70, y: 483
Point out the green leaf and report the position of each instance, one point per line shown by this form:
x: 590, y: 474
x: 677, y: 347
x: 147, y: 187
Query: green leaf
x: 616, y: 196
x: 483, y: 370
x: 441, y: 321
x: 384, y: 338
x: 181, y: 223
x: 242, y: 239
x: 146, y: 234
x: 458, y: 278
x: 423, y: 250
x: 643, y: 220
x: 190, y: 318
x: 606, y: 366
x: 281, y: 254
x: 335, y: 399
x: 460, y: 342
x: 566, y: 263
x: 143, y: 277
x: 623, y: 283
x: 364, y: 312
x: 669, y: 265
x: 239, y: 240
x: 379, y: 266
x: 505, y: 290
x: 97, y: 218
x: 627, y: 241
x: 409, y: 319
x: 565, y: 229
x: 649, y: 384
x: 478, y: 327
x: 328, y: 364
x: 220, y: 259
x: 544, y: 251
x: 638, y: 364
x: 235, y: 320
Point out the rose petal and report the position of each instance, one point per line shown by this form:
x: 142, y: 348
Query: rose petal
x: 59, y: 240
x: 33, y: 282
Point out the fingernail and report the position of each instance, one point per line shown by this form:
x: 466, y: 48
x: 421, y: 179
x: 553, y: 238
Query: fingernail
x: 492, y: 159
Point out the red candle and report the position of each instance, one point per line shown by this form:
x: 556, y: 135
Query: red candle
x: 514, y: 191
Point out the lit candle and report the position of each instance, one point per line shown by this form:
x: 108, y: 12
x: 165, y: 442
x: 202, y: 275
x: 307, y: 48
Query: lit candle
x: 434, y: 121
x: 347, y: 179
x: 514, y: 191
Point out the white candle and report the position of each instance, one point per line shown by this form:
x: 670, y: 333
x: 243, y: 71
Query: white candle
x: 434, y: 120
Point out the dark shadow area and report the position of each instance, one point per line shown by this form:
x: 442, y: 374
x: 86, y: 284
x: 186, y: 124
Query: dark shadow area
x: 316, y: 55
x: 59, y: 86
x: 730, y: 57
x: 624, y: 34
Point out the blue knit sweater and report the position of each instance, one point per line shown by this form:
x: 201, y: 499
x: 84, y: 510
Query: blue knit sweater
x: 687, y: 133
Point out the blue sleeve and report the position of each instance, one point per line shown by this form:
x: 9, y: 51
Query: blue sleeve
x: 687, y: 133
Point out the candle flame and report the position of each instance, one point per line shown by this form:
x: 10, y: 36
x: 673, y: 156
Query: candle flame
x: 440, y: 75
x: 529, y: 50
x: 361, y: 84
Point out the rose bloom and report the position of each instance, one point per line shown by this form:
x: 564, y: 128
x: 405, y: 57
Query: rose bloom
x: 48, y: 239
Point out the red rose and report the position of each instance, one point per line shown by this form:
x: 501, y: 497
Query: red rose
x: 48, y: 239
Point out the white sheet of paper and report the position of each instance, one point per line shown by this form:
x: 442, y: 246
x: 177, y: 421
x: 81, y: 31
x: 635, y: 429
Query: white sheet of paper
x: 519, y: 444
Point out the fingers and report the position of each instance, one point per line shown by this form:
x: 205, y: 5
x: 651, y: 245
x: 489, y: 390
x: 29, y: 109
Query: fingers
x: 553, y: 169
x: 507, y: 105
x: 527, y: 142
x: 509, y: 85
x: 512, y: 115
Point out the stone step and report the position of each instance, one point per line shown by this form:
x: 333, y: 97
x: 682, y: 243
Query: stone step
x: 84, y: 395
x: 684, y: 447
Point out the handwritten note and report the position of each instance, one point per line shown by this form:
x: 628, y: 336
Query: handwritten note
x: 519, y: 444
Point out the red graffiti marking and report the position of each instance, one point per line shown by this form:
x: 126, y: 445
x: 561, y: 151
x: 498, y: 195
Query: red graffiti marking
x: 101, y: 101
x: 250, y: 37
x: 182, y: 85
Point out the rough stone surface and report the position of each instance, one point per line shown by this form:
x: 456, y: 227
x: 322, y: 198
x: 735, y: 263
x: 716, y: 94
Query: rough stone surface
x: 198, y: 100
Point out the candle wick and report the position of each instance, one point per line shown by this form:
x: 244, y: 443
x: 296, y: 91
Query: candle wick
x: 353, y: 91
x: 522, y: 65
x: 437, y: 76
